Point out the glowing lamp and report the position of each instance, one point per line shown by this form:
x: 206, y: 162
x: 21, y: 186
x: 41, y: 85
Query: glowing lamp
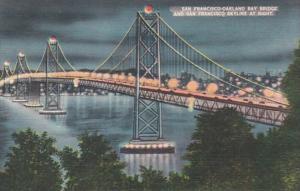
x: 93, y: 75
x: 121, y: 77
x: 192, y: 86
x: 249, y: 90
x: 52, y: 40
x: 99, y: 75
x: 212, y: 88
x: 115, y: 76
x: 268, y: 93
x: 131, y: 79
x: 6, y: 63
x: 173, y: 83
x: 142, y: 80
x: 258, y: 79
x: 156, y: 83
x: 191, y: 103
x: 148, y: 9
x: 21, y: 54
x: 241, y: 93
x: 106, y: 76
x: 76, y: 82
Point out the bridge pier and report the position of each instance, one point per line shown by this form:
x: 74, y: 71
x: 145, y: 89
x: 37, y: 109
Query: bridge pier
x: 6, y: 87
x: 52, y: 89
x: 52, y: 100
x: 147, y: 128
x: 6, y: 90
x: 21, y: 92
x: 33, y: 95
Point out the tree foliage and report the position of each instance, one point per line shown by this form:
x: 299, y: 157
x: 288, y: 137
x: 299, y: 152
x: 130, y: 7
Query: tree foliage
x: 94, y: 167
x: 291, y: 86
x: 285, y: 140
x: 152, y: 180
x: 221, y: 155
x: 31, y: 165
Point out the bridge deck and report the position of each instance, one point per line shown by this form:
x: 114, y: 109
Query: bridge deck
x: 254, y: 109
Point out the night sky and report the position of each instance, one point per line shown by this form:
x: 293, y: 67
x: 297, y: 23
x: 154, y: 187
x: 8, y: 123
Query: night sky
x: 89, y: 29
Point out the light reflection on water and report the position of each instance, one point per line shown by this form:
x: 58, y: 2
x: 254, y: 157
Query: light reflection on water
x: 109, y: 115
x: 164, y: 162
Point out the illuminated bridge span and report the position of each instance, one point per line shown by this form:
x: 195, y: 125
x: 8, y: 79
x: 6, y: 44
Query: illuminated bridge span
x: 155, y: 65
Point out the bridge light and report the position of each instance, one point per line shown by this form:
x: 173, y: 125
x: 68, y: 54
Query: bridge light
x: 191, y: 103
x: 242, y: 92
x: 21, y: 54
x: 52, y: 40
x: 173, y: 83
x: 268, y: 93
x: 258, y: 79
x: 166, y: 145
x: 76, y: 82
x: 131, y: 79
x: 192, y: 86
x: 11, y: 81
x: 212, y: 88
x: 6, y: 63
x: 148, y: 9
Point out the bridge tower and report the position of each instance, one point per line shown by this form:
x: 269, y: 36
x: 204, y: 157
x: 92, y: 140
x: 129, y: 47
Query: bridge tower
x: 147, y: 128
x: 21, y: 85
x: 50, y: 63
x: 6, y: 73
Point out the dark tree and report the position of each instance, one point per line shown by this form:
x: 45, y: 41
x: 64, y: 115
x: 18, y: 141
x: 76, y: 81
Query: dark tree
x: 287, y: 143
x: 152, y: 180
x: 178, y: 182
x: 95, y: 167
x: 31, y: 165
x: 4, y: 186
x: 221, y: 155
x: 291, y: 86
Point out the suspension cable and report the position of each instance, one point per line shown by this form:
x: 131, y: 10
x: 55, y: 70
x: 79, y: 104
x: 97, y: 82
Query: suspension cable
x: 115, y: 49
x: 214, y: 62
x: 200, y: 68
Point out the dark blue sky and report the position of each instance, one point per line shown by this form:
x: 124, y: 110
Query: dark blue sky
x: 89, y: 29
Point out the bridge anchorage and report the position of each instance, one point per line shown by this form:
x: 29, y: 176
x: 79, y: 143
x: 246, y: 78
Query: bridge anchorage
x: 21, y: 91
x: 6, y: 82
x: 147, y: 128
x: 51, y: 64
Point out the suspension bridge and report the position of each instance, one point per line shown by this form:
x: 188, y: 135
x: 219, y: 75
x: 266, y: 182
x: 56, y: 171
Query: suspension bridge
x: 155, y: 65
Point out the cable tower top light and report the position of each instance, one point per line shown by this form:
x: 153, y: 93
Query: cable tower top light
x: 148, y: 9
x: 21, y: 54
x: 52, y: 40
x: 6, y: 63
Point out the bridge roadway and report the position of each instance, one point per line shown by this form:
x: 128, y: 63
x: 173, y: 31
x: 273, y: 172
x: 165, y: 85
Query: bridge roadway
x: 253, y: 109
